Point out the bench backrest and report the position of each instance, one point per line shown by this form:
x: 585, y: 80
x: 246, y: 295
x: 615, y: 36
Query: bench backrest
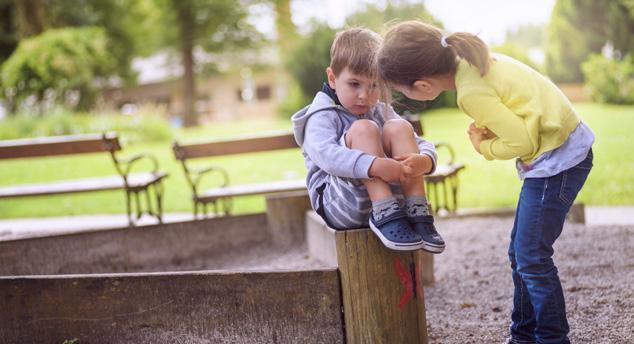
x: 248, y: 144
x: 59, y: 145
x: 244, y: 144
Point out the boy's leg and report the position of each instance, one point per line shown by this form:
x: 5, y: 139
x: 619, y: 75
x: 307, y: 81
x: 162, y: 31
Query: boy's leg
x: 544, y: 203
x: 387, y: 219
x: 365, y: 135
x: 399, y: 140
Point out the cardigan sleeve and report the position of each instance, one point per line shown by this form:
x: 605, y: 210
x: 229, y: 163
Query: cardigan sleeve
x: 513, y: 139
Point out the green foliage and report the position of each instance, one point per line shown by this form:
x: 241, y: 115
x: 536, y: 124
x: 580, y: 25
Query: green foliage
x: 610, y: 80
x: 146, y: 126
x: 517, y: 52
x: 62, y: 60
x: 294, y: 101
x: 130, y: 25
x: 309, y: 60
x: 579, y: 28
x: 530, y: 35
x: 376, y: 17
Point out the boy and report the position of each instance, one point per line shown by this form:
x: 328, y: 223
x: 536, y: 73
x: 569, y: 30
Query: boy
x: 365, y: 164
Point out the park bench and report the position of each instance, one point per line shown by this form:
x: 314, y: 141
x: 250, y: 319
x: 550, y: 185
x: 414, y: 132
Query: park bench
x: 134, y: 184
x: 443, y: 182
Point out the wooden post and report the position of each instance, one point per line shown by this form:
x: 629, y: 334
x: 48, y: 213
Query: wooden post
x: 577, y: 213
x: 382, y: 293
x: 426, y: 262
x: 286, y: 217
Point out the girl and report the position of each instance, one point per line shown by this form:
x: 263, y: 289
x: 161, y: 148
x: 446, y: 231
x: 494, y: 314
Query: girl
x: 517, y: 113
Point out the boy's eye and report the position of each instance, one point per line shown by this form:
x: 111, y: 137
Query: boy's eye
x: 354, y: 84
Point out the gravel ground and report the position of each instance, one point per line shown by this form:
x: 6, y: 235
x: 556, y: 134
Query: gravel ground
x: 471, y: 299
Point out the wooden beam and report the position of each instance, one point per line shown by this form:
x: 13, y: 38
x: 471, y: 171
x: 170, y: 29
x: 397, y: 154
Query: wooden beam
x: 285, y: 213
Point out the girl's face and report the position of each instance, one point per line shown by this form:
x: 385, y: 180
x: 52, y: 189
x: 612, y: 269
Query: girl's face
x: 357, y: 93
x: 426, y: 89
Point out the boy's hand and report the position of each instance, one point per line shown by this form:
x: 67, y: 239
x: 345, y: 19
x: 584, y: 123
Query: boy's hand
x: 386, y: 169
x: 414, y: 165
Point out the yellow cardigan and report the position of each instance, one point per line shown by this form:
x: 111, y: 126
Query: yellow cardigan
x: 526, y: 111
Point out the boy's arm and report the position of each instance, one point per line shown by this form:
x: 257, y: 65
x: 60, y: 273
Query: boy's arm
x: 322, y: 146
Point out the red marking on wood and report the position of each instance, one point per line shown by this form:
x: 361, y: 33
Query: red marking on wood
x: 406, y: 279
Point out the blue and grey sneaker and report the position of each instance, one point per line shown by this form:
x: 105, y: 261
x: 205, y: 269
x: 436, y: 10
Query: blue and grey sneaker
x: 395, y: 232
x: 424, y: 226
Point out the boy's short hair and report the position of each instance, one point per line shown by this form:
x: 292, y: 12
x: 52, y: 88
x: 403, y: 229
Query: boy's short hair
x: 355, y: 48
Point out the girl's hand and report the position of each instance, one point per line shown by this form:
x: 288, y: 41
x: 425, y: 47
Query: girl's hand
x: 477, y: 135
x: 414, y: 165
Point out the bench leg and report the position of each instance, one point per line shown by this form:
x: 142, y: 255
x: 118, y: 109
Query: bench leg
x: 128, y: 207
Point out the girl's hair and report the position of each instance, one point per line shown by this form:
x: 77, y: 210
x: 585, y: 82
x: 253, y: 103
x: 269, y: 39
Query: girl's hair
x: 413, y: 50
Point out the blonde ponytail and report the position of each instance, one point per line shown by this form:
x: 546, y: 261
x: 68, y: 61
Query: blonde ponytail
x: 471, y: 48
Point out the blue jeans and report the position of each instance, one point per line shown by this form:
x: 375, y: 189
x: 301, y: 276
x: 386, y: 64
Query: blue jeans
x: 539, y: 310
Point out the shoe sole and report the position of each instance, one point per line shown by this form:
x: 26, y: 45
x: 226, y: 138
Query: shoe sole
x: 394, y: 245
x: 431, y: 248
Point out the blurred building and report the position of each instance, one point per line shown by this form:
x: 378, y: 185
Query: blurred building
x: 246, y: 86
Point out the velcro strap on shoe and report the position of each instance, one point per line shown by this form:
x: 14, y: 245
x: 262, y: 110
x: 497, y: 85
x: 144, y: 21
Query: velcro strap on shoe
x: 399, y: 214
x: 422, y: 219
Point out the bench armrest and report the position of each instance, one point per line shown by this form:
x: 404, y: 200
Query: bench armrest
x: 195, y: 176
x: 447, y: 146
x: 129, y: 162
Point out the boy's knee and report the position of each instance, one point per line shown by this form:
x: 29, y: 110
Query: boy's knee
x: 397, y: 127
x: 362, y: 128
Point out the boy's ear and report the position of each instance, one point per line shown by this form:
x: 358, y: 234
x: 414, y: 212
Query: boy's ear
x: 331, y: 77
x: 423, y: 85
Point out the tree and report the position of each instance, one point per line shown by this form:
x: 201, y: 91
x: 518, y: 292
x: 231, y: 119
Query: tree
x: 213, y: 25
x: 58, y: 61
x: 308, y: 62
x: 578, y: 28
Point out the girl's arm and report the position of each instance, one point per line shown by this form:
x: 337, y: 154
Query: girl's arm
x: 512, y: 140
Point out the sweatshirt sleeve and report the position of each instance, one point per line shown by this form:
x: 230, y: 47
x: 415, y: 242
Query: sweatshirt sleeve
x: 512, y: 139
x: 321, y: 144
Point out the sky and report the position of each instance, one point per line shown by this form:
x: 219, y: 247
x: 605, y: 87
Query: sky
x: 488, y: 18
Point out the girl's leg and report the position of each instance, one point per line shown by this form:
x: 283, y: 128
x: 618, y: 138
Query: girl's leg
x: 365, y: 135
x: 544, y: 203
x: 522, y: 316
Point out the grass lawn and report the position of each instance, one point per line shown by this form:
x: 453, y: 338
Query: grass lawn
x: 483, y: 183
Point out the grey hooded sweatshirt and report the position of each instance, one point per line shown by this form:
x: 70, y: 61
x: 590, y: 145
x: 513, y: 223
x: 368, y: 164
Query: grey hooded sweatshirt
x: 318, y: 129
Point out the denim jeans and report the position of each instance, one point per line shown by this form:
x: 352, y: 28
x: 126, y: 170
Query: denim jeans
x: 539, y: 311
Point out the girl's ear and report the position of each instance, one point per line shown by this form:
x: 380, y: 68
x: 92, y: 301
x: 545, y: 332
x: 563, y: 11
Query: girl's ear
x: 423, y: 85
x: 331, y: 77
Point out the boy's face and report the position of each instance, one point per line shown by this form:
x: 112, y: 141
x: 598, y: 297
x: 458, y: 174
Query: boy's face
x: 357, y: 93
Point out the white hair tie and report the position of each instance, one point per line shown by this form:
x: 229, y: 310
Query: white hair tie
x: 443, y: 42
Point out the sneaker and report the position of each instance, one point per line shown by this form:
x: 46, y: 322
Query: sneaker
x: 395, y: 232
x: 424, y: 226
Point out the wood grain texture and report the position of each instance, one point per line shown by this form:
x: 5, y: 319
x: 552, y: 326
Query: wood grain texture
x: 383, y: 303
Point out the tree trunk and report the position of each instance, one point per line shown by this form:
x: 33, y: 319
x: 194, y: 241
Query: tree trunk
x: 30, y: 17
x: 286, y: 30
x: 186, y: 23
